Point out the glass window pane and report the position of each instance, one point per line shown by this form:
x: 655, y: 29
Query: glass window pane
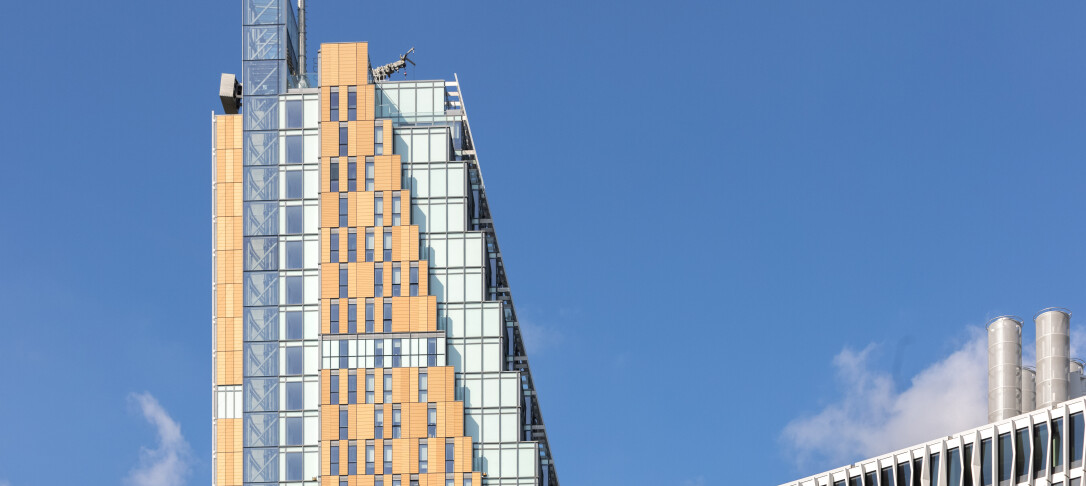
x: 261, y: 429
x: 261, y: 323
x: 261, y: 183
x: 954, y: 467
x: 261, y: 218
x: 934, y: 468
x: 295, y: 219
x: 295, y: 324
x: 261, y: 394
x: 262, y: 43
x: 295, y: 254
x: 261, y: 253
x: 262, y: 113
x: 295, y: 182
x: 1040, y: 451
x: 261, y: 12
x: 1076, y: 430
x: 295, y: 431
x: 261, y: 148
x: 1021, y: 455
x: 986, y: 462
x: 261, y: 78
x: 261, y: 465
x: 294, y: 114
x: 295, y: 360
x: 295, y: 290
x: 294, y: 149
x: 295, y: 395
x: 295, y: 466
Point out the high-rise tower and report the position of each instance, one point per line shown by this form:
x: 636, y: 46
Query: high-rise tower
x: 364, y: 329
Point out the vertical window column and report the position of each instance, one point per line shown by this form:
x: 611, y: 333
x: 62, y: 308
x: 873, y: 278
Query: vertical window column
x: 333, y: 388
x: 386, y: 323
x: 395, y: 421
x: 369, y: 387
x: 379, y: 209
x: 422, y: 387
x: 369, y: 457
x: 378, y: 280
x: 352, y: 245
x: 388, y: 457
x: 333, y: 316
x: 387, y: 388
x: 333, y: 175
x: 343, y: 136
x: 344, y: 278
x: 431, y: 421
x: 333, y: 245
x: 422, y: 456
x: 386, y: 246
x: 414, y: 279
x: 343, y: 422
x: 352, y: 103
x: 379, y: 423
x: 352, y: 316
x: 352, y: 174
x: 333, y: 104
x: 333, y: 458
x: 369, y: 173
x: 450, y: 457
x: 379, y: 137
x: 352, y: 387
x: 396, y: 279
x: 343, y: 211
x: 395, y: 209
x: 369, y: 244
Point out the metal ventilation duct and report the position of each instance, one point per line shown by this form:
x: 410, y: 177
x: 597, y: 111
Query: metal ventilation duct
x: 1004, y: 368
x: 1053, y: 355
x: 1029, y: 389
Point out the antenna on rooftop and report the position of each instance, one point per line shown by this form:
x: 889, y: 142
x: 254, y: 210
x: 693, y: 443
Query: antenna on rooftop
x: 383, y: 72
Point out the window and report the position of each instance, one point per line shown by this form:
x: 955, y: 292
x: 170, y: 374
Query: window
x: 378, y: 138
x: 295, y: 184
x: 378, y: 210
x: 295, y: 290
x: 413, y: 281
x: 369, y: 245
x: 369, y: 315
x: 343, y: 139
x: 343, y: 211
x: 352, y: 458
x: 369, y: 173
x: 333, y: 176
x: 344, y: 277
x: 295, y: 251
x: 422, y: 388
x: 395, y: 421
x: 295, y: 396
x: 295, y: 219
x: 294, y: 114
x: 378, y: 280
x: 934, y: 477
x: 343, y: 352
x: 352, y: 174
x: 352, y: 316
x: 1057, y: 444
x: 954, y: 467
x: 293, y: 148
x: 352, y: 102
x: 369, y: 457
x: 431, y: 352
x: 904, y: 473
x: 397, y: 353
x: 333, y: 452
x: 295, y: 430
x: 395, y: 209
x: 918, y: 468
x: 1005, y: 459
x: 386, y: 322
x: 333, y: 245
x: 1021, y: 454
x: 295, y: 359
x: 856, y: 481
x: 431, y: 421
x: 295, y: 466
x: 422, y: 456
x: 388, y: 457
x: 333, y: 315
x: 986, y: 462
x: 467, y: 479
x: 870, y: 478
x: 352, y: 387
x: 1075, y: 429
x: 379, y: 354
x: 343, y: 421
x: 1040, y: 452
x: 450, y: 458
x: 352, y: 245
x: 396, y: 278
x: 379, y: 423
x: 387, y: 388
x: 295, y: 325
x: 386, y: 246
x: 369, y: 387
x: 396, y: 480
x: 333, y: 104
x: 333, y: 389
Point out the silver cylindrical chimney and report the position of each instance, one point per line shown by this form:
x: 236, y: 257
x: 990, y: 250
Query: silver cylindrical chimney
x: 1076, y: 382
x: 1004, y: 368
x: 1053, y: 355
x: 1029, y: 389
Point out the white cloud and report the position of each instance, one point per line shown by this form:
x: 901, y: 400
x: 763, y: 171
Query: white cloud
x: 871, y: 417
x: 538, y: 339
x: 698, y: 481
x: 4, y: 483
x: 169, y: 463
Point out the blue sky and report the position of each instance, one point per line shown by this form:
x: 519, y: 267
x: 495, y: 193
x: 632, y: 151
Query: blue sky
x: 722, y: 220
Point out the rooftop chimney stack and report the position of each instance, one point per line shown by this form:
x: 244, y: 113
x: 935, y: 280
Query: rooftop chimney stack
x: 1053, y: 356
x: 1029, y: 389
x: 1004, y: 368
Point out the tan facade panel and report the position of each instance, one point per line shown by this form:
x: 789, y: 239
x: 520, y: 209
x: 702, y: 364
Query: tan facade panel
x: 330, y: 422
x: 365, y: 284
x: 330, y: 210
x: 330, y: 139
x: 365, y: 423
x: 370, y: 92
x: 365, y: 211
x: 329, y: 280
